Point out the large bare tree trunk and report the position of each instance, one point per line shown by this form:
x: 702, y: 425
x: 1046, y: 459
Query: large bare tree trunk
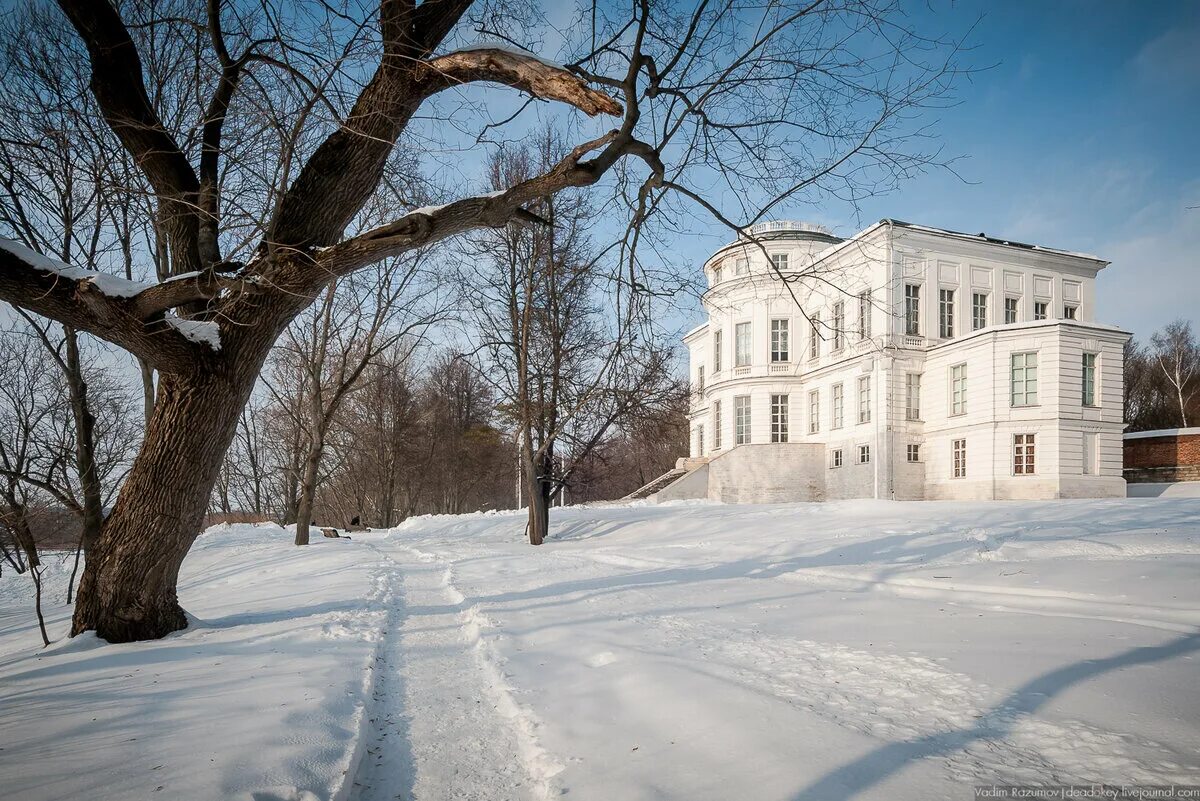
x: 128, y: 587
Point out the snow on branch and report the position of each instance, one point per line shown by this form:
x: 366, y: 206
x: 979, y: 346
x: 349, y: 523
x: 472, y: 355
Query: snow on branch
x: 108, y: 306
x: 520, y: 70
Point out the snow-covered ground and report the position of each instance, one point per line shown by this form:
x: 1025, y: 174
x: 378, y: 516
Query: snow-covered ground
x: 863, y: 650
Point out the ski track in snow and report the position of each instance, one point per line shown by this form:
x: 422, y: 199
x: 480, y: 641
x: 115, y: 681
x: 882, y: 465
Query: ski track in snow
x: 445, y: 724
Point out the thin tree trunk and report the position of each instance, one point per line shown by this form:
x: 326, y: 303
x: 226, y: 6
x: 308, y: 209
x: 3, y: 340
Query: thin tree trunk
x: 127, y: 591
x: 539, y: 509
x: 308, y: 489
x: 85, y: 442
x: 147, y: 389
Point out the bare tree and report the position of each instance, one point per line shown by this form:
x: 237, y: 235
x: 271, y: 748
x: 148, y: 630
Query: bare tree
x: 776, y: 101
x: 1177, y: 354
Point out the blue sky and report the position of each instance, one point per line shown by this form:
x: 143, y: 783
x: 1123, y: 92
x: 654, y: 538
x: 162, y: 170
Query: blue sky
x: 1084, y: 135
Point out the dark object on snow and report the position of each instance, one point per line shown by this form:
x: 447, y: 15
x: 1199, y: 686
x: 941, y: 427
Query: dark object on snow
x: 332, y: 533
x: 355, y: 525
x: 354, y: 522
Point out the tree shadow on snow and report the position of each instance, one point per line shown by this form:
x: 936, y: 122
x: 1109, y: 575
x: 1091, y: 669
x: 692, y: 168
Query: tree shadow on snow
x: 847, y: 781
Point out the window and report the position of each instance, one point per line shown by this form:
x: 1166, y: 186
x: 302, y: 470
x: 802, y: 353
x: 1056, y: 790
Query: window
x: 741, y: 420
x: 741, y: 267
x: 741, y: 345
x: 716, y: 275
x: 912, y: 396
x: 814, y: 345
x: 779, y: 418
x: 864, y: 454
x: 1089, y: 379
x: 1023, y: 462
x: 946, y: 313
x: 780, y: 340
x: 838, y: 405
x: 1024, y: 379
x: 979, y: 310
x: 839, y: 325
x: 700, y: 379
x: 1011, y: 309
x: 1070, y: 312
x: 1040, y: 310
x: 716, y: 425
x: 864, y: 399
x: 914, y: 453
x: 814, y: 411
x: 864, y: 316
x: 780, y: 260
x: 958, y: 389
x: 835, y: 458
x: 958, y: 458
x: 716, y: 351
x: 1090, y: 468
x: 700, y: 440
x: 912, y: 310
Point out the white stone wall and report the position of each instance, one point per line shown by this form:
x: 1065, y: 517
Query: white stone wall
x: 768, y: 474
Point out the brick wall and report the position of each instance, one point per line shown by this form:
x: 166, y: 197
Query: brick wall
x: 1174, y: 456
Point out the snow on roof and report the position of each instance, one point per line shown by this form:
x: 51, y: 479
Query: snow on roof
x: 993, y: 240
x: 106, y: 283
x: 1163, y: 432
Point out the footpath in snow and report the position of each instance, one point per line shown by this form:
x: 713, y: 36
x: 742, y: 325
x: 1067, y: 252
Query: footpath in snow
x: 859, y: 650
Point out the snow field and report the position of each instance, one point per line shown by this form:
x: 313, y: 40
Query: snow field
x: 809, y: 652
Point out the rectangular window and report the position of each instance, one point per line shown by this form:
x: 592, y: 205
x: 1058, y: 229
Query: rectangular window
x: 1070, y: 312
x: 814, y: 344
x: 716, y: 275
x: 780, y: 340
x: 839, y: 325
x: 741, y: 267
x: 864, y: 454
x: 1011, y: 310
x: 700, y: 440
x: 914, y: 453
x: 1040, y: 310
x: 912, y: 396
x: 835, y: 458
x: 716, y: 425
x: 1089, y: 379
x: 814, y: 412
x: 700, y: 379
x: 864, y: 399
x: 741, y: 420
x: 1023, y: 462
x: 1024, y: 379
x: 716, y: 351
x: 780, y: 260
x: 741, y: 345
x: 779, y: 418
x: 912, y: 310
x: 864, y: 316
x: 979, y: 315
x: 838, y: 406
x: 946, y: 313
x: 958, y: 389
x: 1090, y: 468
x: 958, y: 458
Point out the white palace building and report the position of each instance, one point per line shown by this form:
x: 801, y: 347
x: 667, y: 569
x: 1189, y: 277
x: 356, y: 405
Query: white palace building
x: 905, y: 362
